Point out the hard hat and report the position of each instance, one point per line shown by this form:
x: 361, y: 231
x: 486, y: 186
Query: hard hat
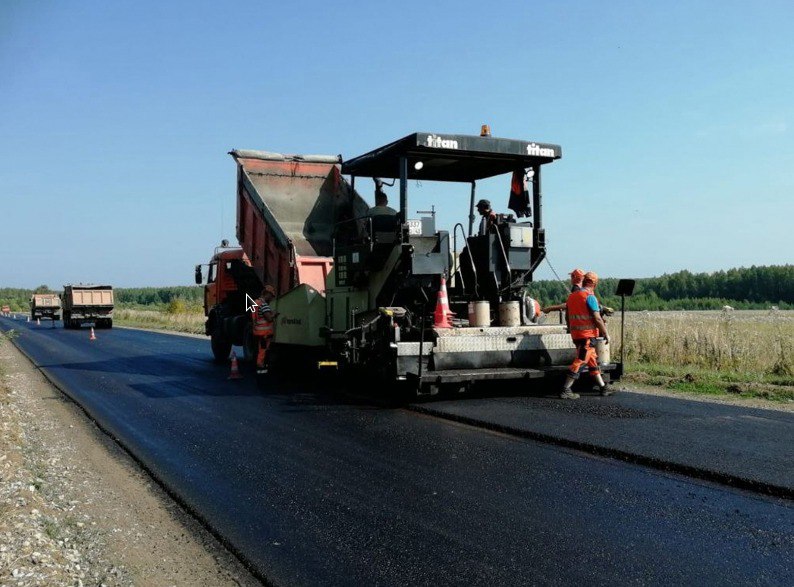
x: 484, y: 204
x: 590, y: 277
x: 577, y: 275
x: 269, y: 289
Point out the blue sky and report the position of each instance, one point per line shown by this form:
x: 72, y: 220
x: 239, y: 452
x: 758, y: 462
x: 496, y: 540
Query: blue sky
x: 115, y: 119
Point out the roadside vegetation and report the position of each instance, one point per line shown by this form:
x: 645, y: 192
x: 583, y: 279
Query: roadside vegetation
x: 189, y: 319
x: 751, y: 288
x: 738, y: 353
x: 178, y: 308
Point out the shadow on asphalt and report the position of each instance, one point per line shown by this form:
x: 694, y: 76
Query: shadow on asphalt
x: 336, y: 390
x: 209, y: 378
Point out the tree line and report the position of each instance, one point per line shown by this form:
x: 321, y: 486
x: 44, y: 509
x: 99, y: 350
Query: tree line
x: 190, y: 296
x: 756, y: 287
x: 742, y: 288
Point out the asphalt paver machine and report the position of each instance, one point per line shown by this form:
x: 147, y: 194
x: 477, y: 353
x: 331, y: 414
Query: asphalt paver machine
x: 381, y: 310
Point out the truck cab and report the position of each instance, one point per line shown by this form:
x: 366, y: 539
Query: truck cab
x: 229, y: 278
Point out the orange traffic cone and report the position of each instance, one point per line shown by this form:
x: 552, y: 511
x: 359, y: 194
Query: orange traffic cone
x: 235, y: 374
x: 442, y: 313
x: 93, y: 336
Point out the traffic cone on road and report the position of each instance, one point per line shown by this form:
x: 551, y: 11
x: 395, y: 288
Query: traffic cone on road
x: 93, y: 336
x: 28, y: 318
x: 38, y: 321
x: 442, y: 313
x: 235, y: 374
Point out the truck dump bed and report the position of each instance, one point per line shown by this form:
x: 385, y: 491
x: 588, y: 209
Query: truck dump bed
x: 87, y: 303
x: 45, y: 306
x: 45, y: 301
x: 87, y: 295
x: 289, y: 209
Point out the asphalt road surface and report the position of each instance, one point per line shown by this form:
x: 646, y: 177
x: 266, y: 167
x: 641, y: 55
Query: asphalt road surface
x: 309, y: 487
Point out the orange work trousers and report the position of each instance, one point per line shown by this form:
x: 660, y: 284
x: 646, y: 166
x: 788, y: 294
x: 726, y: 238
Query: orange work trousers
x: 585, y: 355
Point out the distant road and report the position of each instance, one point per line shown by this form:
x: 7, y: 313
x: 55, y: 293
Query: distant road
x: 311, y: 488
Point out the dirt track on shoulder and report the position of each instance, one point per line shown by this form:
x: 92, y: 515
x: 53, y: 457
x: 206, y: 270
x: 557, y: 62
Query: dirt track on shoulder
x: 77, y: 510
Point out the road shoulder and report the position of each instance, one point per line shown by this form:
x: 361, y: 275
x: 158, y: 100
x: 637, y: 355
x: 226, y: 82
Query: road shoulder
x: 77, y: 509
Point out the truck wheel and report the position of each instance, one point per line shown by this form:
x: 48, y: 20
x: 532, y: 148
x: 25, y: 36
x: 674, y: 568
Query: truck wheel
x: 250, y: 345
x: 220, y: 348
x: 67, y: 321
x: 109, y: 323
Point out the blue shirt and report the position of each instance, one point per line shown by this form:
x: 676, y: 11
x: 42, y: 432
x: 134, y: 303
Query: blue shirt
x: 592, y: 303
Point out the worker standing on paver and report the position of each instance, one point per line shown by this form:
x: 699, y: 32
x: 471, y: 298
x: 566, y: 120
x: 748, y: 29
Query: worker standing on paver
x: 263, y: 319
x: 381, y: 207
x: 488, y: 220
x: 585, y: 324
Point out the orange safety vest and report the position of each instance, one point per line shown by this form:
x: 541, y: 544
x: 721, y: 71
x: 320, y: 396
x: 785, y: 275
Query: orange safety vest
x: 262, y: 327
x: 580, y: 318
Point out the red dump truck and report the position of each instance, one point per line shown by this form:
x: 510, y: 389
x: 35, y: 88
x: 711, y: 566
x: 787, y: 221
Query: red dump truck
x: 287, y: 209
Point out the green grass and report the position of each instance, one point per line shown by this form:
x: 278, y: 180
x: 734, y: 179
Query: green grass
x: 700, y: 380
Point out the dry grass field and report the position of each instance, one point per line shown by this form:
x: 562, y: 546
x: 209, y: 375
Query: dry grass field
x: 747, y: 352
x: 188, y: 321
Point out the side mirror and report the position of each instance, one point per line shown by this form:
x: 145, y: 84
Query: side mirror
x: 199, y: 276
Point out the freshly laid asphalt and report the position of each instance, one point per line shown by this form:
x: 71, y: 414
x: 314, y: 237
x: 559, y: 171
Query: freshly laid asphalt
x: 309, y: 487
x: 746, y: 447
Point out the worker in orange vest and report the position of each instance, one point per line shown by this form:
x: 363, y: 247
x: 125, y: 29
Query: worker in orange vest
x: 263, y: 319
x: 576, y: 284
x: 585, y: 324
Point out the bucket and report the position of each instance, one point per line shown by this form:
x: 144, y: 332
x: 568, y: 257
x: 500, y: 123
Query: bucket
x: 602, y: 350
x: 479, y: 314
x: 510, y: 314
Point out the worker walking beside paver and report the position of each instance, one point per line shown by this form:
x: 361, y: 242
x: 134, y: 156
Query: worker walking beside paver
x: 585, y: 324
x: 263, y: 318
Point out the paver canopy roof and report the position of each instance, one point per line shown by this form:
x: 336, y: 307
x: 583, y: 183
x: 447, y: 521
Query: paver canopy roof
x: 451, y: 157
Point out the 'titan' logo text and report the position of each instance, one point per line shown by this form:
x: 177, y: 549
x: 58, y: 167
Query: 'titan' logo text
x: 538, y: 151
x: 437, y: 142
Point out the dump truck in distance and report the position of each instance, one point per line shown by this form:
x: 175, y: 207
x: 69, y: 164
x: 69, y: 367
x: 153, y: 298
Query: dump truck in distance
x: 45, y: 306
x: 87, y: 303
